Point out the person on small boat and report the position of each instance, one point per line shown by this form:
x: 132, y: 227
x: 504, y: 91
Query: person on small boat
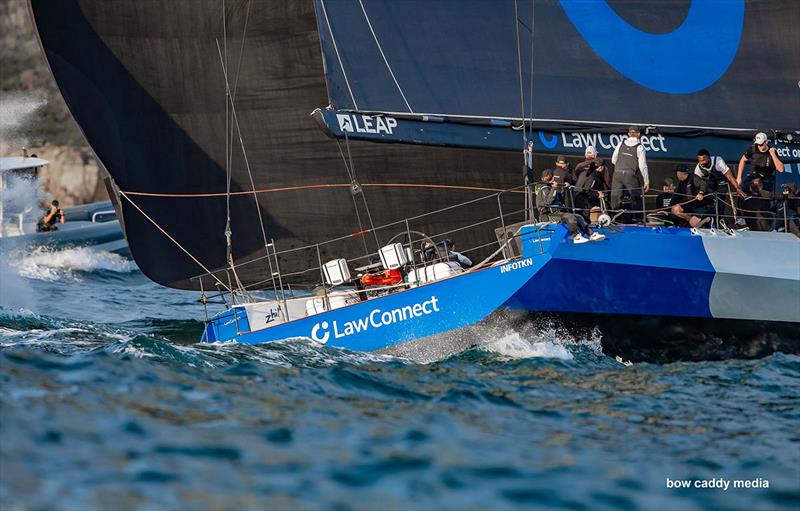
x: 593, y: 183
x: 714, y: 170
x: 551, y: 209
x: 688, y: 204
x: 630, y: 162
x: 48, y: 221
x: 764, y: 162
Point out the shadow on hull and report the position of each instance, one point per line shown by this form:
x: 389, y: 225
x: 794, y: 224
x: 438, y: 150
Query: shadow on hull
x: 663, y: 340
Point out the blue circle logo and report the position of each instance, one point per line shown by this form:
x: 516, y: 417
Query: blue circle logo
x: 692, y: 57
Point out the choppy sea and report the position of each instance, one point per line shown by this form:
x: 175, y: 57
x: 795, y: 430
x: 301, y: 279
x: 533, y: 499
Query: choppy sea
x: 106, y: 402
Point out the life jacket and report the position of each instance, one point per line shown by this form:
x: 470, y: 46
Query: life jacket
x: 761, y: 163
x: 628, y: 157
x: 384, y: 278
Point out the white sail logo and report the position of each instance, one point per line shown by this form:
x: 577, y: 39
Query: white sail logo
x: 366, y: 123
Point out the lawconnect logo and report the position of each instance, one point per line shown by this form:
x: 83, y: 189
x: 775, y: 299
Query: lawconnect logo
x: 321, y: 332
x: 516, y: 265
x: 686, y: 60
x: 366, y: 123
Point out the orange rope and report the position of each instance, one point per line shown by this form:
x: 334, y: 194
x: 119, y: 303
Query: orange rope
x: 309, y: 187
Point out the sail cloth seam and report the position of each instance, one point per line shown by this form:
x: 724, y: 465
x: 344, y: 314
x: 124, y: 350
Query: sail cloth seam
x: 338, y: 57
x: 173, y: 240
x: 385, y: 61
x: 310, y: 187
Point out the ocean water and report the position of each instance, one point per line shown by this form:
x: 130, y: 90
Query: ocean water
x: 107, y: 403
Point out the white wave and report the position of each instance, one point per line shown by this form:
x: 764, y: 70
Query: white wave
x: 45, y: 263
x: 513, y: 345
x: 514, y: 334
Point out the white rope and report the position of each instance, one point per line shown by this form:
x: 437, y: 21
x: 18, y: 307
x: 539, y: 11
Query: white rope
x: 384, y: 57
x: 336, y: 49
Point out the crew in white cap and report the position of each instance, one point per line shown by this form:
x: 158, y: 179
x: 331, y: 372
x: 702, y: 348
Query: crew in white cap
x: 763, y: 160
x: 588, y: 163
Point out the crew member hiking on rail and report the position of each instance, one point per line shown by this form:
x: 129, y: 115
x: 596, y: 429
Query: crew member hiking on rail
x: 48, y: 221
x: 629, y: 157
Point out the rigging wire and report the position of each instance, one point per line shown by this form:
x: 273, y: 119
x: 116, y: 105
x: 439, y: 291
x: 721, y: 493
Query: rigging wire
x: 519, y: 70
x: 310, y: 187
x: 338, y: 57
x: 363, y: 195
x: 353, y: 183
x: 176, y: 242
x: 232, y: 96
x: 385, y: 61
x: 228, y: 149
x: 530, y: 98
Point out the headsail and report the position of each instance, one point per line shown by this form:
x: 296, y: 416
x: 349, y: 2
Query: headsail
x: 711, y: 66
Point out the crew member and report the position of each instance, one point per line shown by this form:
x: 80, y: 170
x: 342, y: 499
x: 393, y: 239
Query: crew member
x: 458, y: 257
x: 591, y: 187
x: 629, y: 157
x: 550, y: 209
x: 590, y: 162
x: 764, y: 162
x: 688, y: 203
x: 714, y: 169
x: 756, y: 206
x: 664, y: 199
x: 48, y: 221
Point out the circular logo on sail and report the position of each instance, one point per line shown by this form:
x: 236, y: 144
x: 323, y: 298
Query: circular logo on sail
x: 690, y: 58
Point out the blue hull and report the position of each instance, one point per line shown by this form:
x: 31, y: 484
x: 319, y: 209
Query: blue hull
x: 412, y: 315
x: 668, y: 272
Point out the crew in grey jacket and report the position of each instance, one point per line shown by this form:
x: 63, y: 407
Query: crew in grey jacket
x: 629, y: 156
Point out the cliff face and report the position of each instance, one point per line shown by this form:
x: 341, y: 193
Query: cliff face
x: 33, y: 114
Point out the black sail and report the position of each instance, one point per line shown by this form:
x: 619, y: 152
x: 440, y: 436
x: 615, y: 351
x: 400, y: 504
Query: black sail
x: 145, y: 82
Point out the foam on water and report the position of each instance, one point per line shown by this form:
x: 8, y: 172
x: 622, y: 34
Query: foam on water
x: 45, y: 263
x: 513, y: 345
